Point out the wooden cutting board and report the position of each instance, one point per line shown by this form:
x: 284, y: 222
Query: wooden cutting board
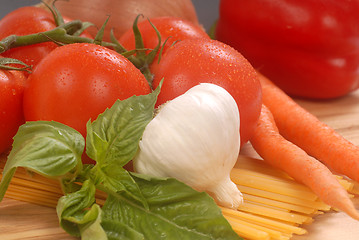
x: 20, y: 220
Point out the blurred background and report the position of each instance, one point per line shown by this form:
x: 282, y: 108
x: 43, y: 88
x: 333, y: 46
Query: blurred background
x: 207, y: 10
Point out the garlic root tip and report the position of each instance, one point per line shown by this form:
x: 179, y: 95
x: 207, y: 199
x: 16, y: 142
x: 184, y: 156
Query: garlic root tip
x: 227, y: 194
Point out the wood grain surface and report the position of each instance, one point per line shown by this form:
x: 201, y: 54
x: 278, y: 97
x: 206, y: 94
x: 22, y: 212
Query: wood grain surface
x: 20, y: 220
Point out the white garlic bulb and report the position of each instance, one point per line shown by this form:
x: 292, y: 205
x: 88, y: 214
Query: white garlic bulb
x: 195, y: 139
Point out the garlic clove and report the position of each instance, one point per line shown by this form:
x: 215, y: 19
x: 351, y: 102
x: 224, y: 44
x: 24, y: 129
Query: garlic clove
x: 195, y: 139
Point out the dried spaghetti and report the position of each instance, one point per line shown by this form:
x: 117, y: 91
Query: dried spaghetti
x: 275, y: 206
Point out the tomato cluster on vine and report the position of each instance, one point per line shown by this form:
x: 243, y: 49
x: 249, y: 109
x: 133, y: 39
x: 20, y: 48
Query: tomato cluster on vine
x: 75, y: 76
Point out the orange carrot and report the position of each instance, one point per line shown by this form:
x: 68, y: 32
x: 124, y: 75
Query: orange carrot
x: 313, y: 136
x: 282, y: 154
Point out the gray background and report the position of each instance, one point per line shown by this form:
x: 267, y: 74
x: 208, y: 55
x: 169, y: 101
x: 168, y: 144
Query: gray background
x: 207, y: 10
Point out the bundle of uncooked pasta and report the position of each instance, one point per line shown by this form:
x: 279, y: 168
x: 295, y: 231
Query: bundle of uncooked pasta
x: 275, y: 206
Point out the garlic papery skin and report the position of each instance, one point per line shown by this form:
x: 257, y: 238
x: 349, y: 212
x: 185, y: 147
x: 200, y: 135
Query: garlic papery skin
x: 195, y: 139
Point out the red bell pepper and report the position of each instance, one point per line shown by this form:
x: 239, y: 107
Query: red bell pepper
x: 309, y: 48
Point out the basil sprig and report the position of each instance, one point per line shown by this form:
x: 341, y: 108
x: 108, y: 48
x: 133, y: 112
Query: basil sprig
x: 137, y: 206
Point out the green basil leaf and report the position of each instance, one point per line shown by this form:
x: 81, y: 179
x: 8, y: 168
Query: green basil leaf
x: 117, y: 180
x: 114, y: 135
x: 51, y: 149
x: 176, y: 211
x: 90, y: 225
x: 117, y: 230
x: 74, y: 216
x: 5, y: 181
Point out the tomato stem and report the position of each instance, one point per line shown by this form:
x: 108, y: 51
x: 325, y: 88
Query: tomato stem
x: 100, y: 33
x: 60, y: 35
x: 59, y: 20
x: 7, y: 64
x: 148, y: 75
x: 6, y: 43
x: 69, y: 33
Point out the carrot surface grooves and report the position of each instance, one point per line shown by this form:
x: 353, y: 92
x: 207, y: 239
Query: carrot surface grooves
x: 282, y: 154
x: 305, y: 130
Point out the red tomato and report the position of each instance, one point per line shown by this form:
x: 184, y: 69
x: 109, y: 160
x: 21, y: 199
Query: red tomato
x: 170, y: 28
x: 77, y: 82
x: 12, y: 84
x: 24, y: 21
x: 308, y: 48
x: 193, y: 61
